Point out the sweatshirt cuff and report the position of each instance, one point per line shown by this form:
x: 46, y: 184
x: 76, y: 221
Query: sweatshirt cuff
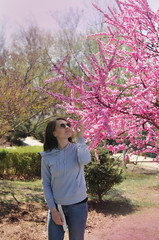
x: 51, y: 204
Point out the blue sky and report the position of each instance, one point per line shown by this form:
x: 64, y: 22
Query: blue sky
x: 16, y: 13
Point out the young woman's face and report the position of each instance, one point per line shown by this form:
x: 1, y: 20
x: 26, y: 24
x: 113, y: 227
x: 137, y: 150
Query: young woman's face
x: 62, y: 130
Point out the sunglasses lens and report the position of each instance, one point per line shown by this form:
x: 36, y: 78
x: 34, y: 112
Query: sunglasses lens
x: 62, y: 125
x: 68, y: 124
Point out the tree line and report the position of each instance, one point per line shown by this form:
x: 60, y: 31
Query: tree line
x: 26, y: 63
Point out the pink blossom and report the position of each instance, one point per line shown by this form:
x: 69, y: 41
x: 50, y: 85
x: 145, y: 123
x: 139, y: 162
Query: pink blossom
x: 118, y: 96
x: 96, y: 155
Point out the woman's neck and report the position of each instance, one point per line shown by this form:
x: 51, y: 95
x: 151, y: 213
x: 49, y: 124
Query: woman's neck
x: 62, y: 143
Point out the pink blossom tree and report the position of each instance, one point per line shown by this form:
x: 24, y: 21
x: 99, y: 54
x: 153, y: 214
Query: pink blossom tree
x: 117, y: 97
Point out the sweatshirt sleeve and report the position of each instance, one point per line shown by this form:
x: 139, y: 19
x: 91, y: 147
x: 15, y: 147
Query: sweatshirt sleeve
x: 46, y: 182
x: 84, y: 156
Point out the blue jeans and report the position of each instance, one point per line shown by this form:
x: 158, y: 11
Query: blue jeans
x: 76, y: 217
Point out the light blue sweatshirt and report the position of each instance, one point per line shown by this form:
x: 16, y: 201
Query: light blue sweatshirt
x: 63, y: 175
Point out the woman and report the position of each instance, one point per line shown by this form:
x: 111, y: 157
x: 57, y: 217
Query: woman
x: 63, y: 179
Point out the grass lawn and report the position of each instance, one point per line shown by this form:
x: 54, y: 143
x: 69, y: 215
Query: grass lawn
x: 21, y: 191
x: 137, y: 189
x: 23, y: 149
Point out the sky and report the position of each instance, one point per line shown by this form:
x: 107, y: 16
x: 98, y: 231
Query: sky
x: 16, y: 13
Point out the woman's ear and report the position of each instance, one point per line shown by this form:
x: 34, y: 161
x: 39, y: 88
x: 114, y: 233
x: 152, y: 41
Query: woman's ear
x: 54, y: 133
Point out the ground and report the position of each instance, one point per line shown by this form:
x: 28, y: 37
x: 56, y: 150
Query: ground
x: 106, y: 221
x: 141, y: 225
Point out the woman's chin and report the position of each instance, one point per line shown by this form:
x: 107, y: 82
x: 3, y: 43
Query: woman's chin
x: 69, y: 134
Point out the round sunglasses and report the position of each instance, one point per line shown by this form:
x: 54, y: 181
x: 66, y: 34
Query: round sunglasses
x: 63, y: 125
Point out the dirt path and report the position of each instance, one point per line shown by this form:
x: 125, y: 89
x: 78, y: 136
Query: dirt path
x: 29, y: 222
x: 142, y: 225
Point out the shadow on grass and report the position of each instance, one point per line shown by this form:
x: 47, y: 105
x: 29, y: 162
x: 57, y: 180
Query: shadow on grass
x: 38, y: 198
x: 9, y: 197
x: 36, y: 211
x: 32, y: 212
x: 118, y: 206
x: 7, y: 209
x: 11, y: 193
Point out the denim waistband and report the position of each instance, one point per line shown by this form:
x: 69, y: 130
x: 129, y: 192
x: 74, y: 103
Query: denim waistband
x: 83, y: 201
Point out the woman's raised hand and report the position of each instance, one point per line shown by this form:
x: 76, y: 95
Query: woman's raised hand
x: 80, y: 130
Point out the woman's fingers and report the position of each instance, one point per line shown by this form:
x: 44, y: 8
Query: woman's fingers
x: 60, y: 219
x: 57, y: 218
x: 80, y: 130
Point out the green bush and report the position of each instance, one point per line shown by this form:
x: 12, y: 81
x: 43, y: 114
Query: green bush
x: 102, y: 176
x: 3, y: 161
x: 20, y: 164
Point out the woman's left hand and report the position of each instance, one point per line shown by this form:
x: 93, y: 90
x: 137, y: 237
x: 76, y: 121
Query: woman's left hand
x: 80, y: 130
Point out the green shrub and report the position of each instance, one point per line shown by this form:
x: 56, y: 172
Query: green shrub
x: 3, y: 161
x: 102, y: 176
x: 20, y: 164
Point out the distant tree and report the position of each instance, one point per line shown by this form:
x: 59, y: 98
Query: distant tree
x: 24, y: 66
x: 94, y: 19
x: 68, y: 38
x: 2, y: 37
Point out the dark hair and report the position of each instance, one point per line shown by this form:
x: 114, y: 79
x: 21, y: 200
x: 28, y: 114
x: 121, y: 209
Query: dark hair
x: 50, y: 141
